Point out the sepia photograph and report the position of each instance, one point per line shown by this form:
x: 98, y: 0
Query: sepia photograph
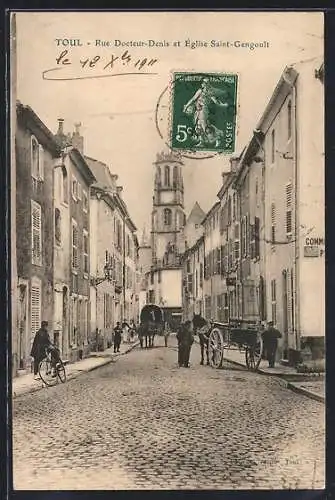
x: 167, y: 250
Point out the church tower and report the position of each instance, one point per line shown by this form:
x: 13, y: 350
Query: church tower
x: 168, y: 217
x: 167, y: 239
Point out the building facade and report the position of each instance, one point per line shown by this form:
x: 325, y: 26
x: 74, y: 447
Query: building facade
x: 193, y: 267
x: 36, y: 153
x: 114, y: 257
x: 73, y: 180
x: 266, y: 260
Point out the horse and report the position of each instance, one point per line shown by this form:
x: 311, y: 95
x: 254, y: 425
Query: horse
x: 145, y: 331
x: 202, y: 328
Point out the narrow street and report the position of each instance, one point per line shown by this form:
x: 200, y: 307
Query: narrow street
x: 143, y: 423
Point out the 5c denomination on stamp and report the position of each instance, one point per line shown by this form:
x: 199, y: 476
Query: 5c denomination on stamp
x: 203, y: 114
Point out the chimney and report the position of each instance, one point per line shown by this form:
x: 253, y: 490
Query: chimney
x: 77, y: 139
x: 60, y: 130
x: 234, y: 161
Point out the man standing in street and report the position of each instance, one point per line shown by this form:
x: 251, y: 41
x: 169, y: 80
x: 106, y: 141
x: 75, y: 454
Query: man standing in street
x: 270, y: 339
x: 117, y: 337
x: 185, y: 340
x: 38, y: 350
x: 166, y: 333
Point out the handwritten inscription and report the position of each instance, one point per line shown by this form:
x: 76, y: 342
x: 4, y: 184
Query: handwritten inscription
x: 125, y: 63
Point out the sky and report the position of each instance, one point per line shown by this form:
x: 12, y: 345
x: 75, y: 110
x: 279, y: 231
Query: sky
x: 117, y: 114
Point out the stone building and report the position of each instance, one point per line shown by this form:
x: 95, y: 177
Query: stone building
x: 271, y: 221
x: 36, y: 153
x: 292, y: 151
x: 167, y: 239
x: 73, y: 179
x: 114, y: 256
x: 193, y: 268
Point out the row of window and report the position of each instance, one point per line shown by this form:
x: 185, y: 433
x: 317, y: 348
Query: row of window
x: 166, y: 173
x: 37, y: 172
x: 224, y: 305
x: 79, y: 314
x: 75, y: 248
x: 118, y: 238
x: 246, y: 243
x: 36, y: 222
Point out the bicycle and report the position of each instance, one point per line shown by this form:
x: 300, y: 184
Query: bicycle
x: 49, y: 376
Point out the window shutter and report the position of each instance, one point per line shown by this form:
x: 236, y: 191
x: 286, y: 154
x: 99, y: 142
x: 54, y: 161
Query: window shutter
x: 273, y: 223
x: 35, y: 318
x: 237, y: 243
x: 74, y: 245
x: 247, y: 235
x: 36, y: 229
x: 289, y: 209
x: 252, y: 241
x: 257, y: 238
x: 40, y: 161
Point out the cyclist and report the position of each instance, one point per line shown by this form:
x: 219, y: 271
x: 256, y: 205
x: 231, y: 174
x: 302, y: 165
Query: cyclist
x: 42, y: 345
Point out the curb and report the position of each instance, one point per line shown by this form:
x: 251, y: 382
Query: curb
x: 106, y: 361
x: 285, y: 383
x: 306, y: 392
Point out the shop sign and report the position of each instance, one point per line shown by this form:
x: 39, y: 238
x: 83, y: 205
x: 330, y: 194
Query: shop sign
x: 314, y: 247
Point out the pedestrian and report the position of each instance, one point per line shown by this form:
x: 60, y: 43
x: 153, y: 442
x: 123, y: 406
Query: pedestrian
x: 117, y: 337
x: 166, y: 333
x: 125, y: 331
x: 185, y: 340
x: 270, y: 339
x: 132, y: 330
x: 41, y: 344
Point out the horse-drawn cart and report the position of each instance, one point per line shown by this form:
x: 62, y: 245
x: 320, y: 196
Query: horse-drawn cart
x: 235, y: 335
x: 151, y: 323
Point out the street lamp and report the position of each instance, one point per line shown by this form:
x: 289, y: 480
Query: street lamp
x: 108, y: 275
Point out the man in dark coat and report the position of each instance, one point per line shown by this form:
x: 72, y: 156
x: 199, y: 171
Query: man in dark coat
x: 270, y: 339
x: 41, y: 343
x: 117, y: 337
x: 185, y: 340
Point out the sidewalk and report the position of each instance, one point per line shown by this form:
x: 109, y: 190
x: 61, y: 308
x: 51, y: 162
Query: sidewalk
x: 25, y: 384
x: 312, y: 386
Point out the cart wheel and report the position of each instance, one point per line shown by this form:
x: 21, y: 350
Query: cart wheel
x: 253, y: 354
x: 215, y: 348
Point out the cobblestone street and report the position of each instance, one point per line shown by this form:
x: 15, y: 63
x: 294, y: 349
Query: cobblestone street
x: 143, y: 423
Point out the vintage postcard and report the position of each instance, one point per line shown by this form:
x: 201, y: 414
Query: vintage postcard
x: 168, y: 250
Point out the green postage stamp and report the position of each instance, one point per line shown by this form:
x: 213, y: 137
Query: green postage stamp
x: 203, y: 114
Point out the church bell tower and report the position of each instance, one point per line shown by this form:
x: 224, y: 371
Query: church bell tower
x: 168, y: 217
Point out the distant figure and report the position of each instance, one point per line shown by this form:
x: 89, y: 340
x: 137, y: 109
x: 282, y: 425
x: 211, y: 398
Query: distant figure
x: 117, y: 337
x: 270, y: 338
x: 132, y: 330
x: 166, y: 333
x: 125, y: 331
x: 41, y: 345
x: 185, y: 340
